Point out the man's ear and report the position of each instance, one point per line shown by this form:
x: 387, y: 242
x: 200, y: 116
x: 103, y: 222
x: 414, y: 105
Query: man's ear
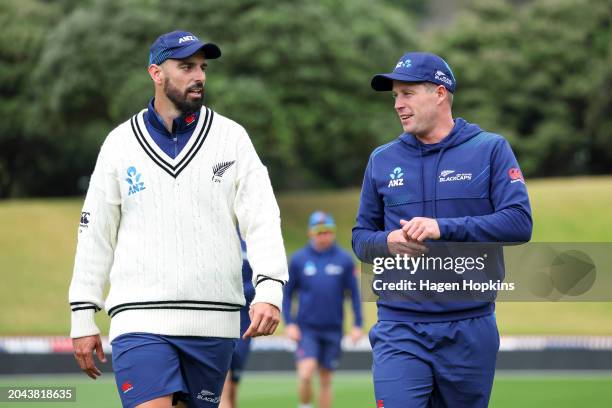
x: 441, y: 93
x: 156, y: 73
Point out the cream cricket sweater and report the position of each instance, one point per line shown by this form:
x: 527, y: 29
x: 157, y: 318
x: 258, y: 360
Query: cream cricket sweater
x: 163, y: 231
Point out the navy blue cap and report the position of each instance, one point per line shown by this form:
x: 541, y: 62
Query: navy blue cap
x: 417, y: 67
x: 320, y: 221
x: 179, y: 45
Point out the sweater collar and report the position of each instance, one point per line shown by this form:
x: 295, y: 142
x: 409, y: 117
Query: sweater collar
x: 182, y: 124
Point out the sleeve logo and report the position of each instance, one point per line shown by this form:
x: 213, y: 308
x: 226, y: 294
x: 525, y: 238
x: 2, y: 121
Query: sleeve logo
x: 515, y: 175
x: 84, y: 223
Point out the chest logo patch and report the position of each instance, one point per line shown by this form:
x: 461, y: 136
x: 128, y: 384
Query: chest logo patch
x: 134, y: 180
x: 451, y: 175
x: 333, y: 269
x: 396, y: 177
x: 219, y: 169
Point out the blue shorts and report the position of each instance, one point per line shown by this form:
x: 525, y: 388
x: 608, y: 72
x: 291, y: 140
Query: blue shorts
x: 149, y: 366
x: 239, y: 358
x: 323, y: 345
x: 243, y: 348
x: 430, y: 365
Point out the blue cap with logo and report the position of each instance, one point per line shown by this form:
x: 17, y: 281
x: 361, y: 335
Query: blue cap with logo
x: 417, y: 67
x: 179, y: 45
x: 320, y: 221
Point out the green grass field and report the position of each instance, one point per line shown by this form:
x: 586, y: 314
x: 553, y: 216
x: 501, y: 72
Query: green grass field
x: 353, y: 390
x: 37, y: 244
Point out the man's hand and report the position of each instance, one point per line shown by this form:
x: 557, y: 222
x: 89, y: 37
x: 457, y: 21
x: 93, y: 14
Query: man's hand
x: 264, y: 320
x: 420, y: 228
x: 84, y: 348
x: 293, y: 332
x: 399, y: 244
x: 356, y: 334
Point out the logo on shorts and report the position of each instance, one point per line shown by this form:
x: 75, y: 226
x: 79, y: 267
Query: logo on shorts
x: 396, y: 177
x: 126, y: 386
x: 516, y: 175
x: 208, y: 396
x: 380, y: 404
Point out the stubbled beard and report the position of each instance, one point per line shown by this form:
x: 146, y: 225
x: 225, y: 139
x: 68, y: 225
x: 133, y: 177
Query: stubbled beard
x: 181, y: 100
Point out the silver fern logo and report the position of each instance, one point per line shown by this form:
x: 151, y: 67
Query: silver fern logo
x: 219, y: 169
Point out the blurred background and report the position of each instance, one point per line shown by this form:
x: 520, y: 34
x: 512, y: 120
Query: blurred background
x: 296, y: 75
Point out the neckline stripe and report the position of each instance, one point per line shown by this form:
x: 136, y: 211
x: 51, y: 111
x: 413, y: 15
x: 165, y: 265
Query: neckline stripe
x: 145, y: 147
x: 175, y: 170
x: 196, y: 145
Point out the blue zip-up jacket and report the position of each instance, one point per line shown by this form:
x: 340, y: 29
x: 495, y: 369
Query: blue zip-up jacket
x: 182, y: 129
x: 470, y: 182
x: 321, y: 279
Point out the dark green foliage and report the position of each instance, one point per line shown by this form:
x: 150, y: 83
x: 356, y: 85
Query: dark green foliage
x: 541, y: 75
x: 296, y: 75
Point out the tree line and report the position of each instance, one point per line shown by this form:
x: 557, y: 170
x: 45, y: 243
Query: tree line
x: 296, y: 75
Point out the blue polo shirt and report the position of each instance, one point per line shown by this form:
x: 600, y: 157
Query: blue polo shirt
x: 321, y: 280
x: 182, y: 128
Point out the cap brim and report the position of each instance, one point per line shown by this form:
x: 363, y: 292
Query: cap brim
x: 384, y: 82
x: 322, y: 228
x: 211, y: 51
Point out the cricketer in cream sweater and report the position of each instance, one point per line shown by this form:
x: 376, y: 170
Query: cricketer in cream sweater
x: 163, y: 231
x: 169, y: 242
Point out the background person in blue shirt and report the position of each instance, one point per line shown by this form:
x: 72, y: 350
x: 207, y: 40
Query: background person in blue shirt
x: 320, y: 272
x: 442, y: 179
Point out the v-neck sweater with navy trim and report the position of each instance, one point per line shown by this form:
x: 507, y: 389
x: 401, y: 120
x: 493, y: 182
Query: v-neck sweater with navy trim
x: 171, y: 143
x: 162, y: 229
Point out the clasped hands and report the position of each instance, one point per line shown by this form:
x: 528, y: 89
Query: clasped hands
x: 409, y: 238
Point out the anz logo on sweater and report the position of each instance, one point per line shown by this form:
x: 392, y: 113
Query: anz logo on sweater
x: 396, y: 177
x: 219, y: 169
x: 134, y: 181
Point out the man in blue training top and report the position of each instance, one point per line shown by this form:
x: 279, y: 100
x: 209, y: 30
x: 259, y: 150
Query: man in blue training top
x: 229, y: 397
x: 320, y: 272
x: 442, y: 179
